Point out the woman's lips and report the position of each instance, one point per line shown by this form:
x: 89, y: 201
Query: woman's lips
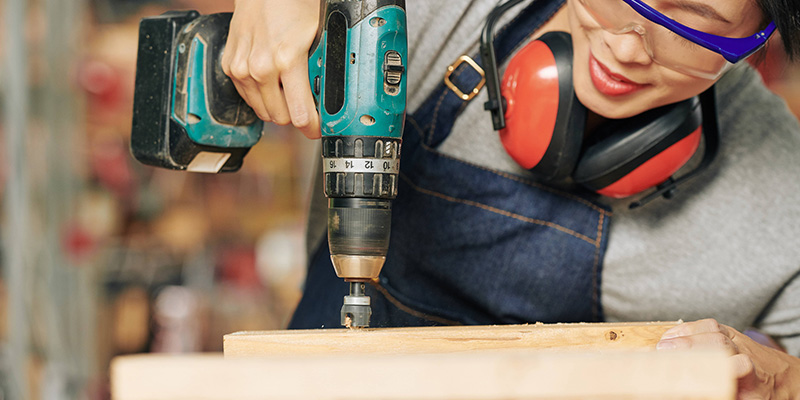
x: 608, y: 83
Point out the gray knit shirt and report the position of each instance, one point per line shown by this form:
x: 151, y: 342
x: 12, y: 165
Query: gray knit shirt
x: 727, y: 247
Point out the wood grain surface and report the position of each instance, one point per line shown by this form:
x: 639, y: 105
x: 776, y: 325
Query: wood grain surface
x: 486, y: 374
x: 589, y: 336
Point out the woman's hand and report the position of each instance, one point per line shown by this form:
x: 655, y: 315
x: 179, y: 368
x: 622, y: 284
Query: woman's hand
x: 763, y: 372
x: 266, y: 56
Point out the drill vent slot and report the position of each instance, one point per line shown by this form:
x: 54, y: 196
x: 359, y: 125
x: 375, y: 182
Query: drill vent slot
x: 360, y: 183
x: 393, y: 185
x: 341, y: 183
x: 338, y: 147
x: 377, y: 184
x: 359, y: 148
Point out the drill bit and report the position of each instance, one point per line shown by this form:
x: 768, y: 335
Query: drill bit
x: 356, y: 309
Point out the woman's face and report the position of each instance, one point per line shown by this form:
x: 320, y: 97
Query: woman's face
x: 614, y: 75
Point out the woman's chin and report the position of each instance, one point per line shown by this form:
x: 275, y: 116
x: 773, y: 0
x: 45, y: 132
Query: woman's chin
x: 613, y: 108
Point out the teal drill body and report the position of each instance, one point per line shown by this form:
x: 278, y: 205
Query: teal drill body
x: 364, y: 91
x: 357, y: 72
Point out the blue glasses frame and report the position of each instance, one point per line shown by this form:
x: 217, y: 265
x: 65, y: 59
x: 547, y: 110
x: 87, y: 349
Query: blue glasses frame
x: 732, y: 49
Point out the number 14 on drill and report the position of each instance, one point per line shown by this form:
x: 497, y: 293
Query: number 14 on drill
x: 366, y: 165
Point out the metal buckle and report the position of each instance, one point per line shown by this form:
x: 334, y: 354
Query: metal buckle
x: 454, y: 88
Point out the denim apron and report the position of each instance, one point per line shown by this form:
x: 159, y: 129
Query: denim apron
x: 471, y: 245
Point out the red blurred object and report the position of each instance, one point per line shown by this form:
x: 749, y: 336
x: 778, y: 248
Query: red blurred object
x: 110, y: 163
x: 103, y: 84
x: 238, y: 266
x: 77, y: 242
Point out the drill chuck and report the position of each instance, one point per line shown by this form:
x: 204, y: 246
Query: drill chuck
x: 360, y: 182
x: 358, y: 235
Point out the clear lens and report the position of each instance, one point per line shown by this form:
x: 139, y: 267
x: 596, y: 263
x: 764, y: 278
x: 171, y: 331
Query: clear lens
x: 664, y: 46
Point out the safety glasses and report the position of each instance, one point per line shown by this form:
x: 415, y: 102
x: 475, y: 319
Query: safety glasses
x: 671, y: 43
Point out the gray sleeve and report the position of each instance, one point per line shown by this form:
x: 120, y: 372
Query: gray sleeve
x: 781, y: 319
x: 726, y: 248
x: 769, y: 127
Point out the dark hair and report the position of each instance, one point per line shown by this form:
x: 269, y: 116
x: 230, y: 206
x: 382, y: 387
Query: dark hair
x: 786, y: 14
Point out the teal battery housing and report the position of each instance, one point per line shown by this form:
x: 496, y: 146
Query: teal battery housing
x: 196, y: 116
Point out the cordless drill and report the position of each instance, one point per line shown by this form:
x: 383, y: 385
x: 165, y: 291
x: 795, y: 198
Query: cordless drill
x: 188, y: 116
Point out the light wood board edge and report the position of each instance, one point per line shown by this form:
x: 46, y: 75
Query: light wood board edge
x: 486, y: 375
x: 632, y: 335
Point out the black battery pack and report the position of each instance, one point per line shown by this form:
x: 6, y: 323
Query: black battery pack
x: 158, y: 137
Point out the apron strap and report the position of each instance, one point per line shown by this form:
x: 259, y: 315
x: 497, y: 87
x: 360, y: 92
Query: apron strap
x: 464, y: 78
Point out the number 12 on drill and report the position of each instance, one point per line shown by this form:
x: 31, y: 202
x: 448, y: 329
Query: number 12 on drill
x: 362, y: 165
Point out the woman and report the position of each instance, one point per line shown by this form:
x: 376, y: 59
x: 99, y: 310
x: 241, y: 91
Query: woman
x: 477, y: 240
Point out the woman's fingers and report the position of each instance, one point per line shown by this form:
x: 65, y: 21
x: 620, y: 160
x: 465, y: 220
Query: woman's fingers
x: 266, y: 57
x: 700, y: 326
x: 706, y: 333
x: 300, y: 101
x: 709, y: 340
x: 236, y: 65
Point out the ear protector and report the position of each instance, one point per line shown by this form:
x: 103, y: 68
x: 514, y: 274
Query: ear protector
x: 542, y: 124
x: 545, y: 123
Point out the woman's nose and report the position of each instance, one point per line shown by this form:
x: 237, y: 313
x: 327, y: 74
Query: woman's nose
x: 628, y: 47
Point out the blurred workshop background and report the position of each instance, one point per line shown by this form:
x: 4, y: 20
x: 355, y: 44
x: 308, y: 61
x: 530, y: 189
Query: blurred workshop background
x: 103, y: 256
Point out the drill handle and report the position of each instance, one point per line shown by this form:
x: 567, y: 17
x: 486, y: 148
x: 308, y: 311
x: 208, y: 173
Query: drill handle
x: 209, y: 33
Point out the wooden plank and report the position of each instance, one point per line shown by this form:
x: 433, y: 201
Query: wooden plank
x: 637, y: 335
x: 486, y: 375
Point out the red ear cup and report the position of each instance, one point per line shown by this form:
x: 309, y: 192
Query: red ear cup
x: 656, y: 170
x: 544, y: 120
x: 628, y: 156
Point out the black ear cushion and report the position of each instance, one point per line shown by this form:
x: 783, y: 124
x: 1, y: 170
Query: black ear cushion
x: 564, y: 149
x: 620, y: 146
